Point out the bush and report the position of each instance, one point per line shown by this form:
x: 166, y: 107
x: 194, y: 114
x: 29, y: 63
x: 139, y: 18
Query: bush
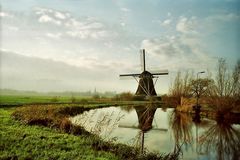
x: 73, y: 99
x: 84, y: 101
x: 54, y: 99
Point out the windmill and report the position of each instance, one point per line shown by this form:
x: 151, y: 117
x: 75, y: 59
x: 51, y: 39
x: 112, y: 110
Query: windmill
x: 145, y: 80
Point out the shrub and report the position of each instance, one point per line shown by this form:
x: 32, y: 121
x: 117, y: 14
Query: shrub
x: 73, y: 99
x: 54, y: 99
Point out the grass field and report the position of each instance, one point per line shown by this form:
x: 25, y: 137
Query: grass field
x: 20, y: 99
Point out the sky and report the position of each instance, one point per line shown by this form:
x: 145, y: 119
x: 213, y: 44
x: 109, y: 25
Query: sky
x: 80, y: 45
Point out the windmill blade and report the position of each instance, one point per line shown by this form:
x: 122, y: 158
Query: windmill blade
x: 130, y: 75
x: 126, y: 77
x: 135, y: 127
x: 143, y: 56
x: 159, y: 72
x: 141, y: 60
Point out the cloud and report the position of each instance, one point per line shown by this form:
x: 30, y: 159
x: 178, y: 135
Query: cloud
x: 177, y: 52
x: 83, y: 25
x: 223, y: 17
x: 166, y: 22
x: 159, y: 47
x: 13, y: 28
x: 49, y: 16
x: 123, y: 9
x: 60, y: 15
x: 186, y: 25
x: 46, y: 19
x: 74, y: 27
x: 87, y: 29
x: 5, y: 14
x: 54, y: 36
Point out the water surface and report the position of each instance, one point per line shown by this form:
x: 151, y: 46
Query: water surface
x: 163, y: 130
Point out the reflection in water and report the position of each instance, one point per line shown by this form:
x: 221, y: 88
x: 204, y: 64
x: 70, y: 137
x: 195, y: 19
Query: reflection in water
x: 145, y: 116
x: 149, y: 128
x: 223, y: 138
x: 181, y: 125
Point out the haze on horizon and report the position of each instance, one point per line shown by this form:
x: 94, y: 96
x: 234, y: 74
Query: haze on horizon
x: 74, y: 45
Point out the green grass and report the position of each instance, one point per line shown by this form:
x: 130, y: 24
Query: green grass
x: 8, y: 100
x: 20, y: 99
x: 20, y: 141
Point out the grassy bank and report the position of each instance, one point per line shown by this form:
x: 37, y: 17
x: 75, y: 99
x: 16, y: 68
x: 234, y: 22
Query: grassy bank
x: 20, y: 141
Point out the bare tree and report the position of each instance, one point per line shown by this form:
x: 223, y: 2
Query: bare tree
x: 227, y: 82
x: 225, y: 91
x: 200, y: 87
x: 236, y: 80
x: 181, y: 86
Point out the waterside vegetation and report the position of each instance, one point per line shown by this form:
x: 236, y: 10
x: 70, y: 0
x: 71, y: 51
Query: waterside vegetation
x: 219, y: 94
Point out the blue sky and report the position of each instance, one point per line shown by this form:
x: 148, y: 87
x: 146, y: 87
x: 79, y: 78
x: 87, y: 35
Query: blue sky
x: 103, y: 38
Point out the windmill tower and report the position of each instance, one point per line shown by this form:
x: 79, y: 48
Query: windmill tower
x: 145, y: 80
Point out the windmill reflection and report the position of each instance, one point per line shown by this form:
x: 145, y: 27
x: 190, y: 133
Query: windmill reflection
x: 223, y: 138
x: 145, y: 116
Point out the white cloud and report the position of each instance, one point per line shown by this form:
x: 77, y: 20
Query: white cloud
x: 5, y: 14
x: 123, y: 24
x: 224, y: 17
x: 108, y: 44
x: 125, y: 9
x: 177, y: 52
x: 83, y: 34
x: 54, y: 36
x: 72, y: 23
x: 93, y: 25
x: 87, y: 29
x: 74, y: 27
x: 186, y: 25
x: 40, y: 10
x: 13, y: 28
x: 60, y: 15
x: 165, y: 48
x: 166, y: 22
x: 47, y: 15
x: 46, y: 19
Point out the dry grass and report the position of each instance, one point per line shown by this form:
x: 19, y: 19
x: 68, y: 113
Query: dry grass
x: 52, y: 116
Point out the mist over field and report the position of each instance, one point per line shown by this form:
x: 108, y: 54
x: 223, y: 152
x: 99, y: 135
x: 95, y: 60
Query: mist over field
x: 37, y: 74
